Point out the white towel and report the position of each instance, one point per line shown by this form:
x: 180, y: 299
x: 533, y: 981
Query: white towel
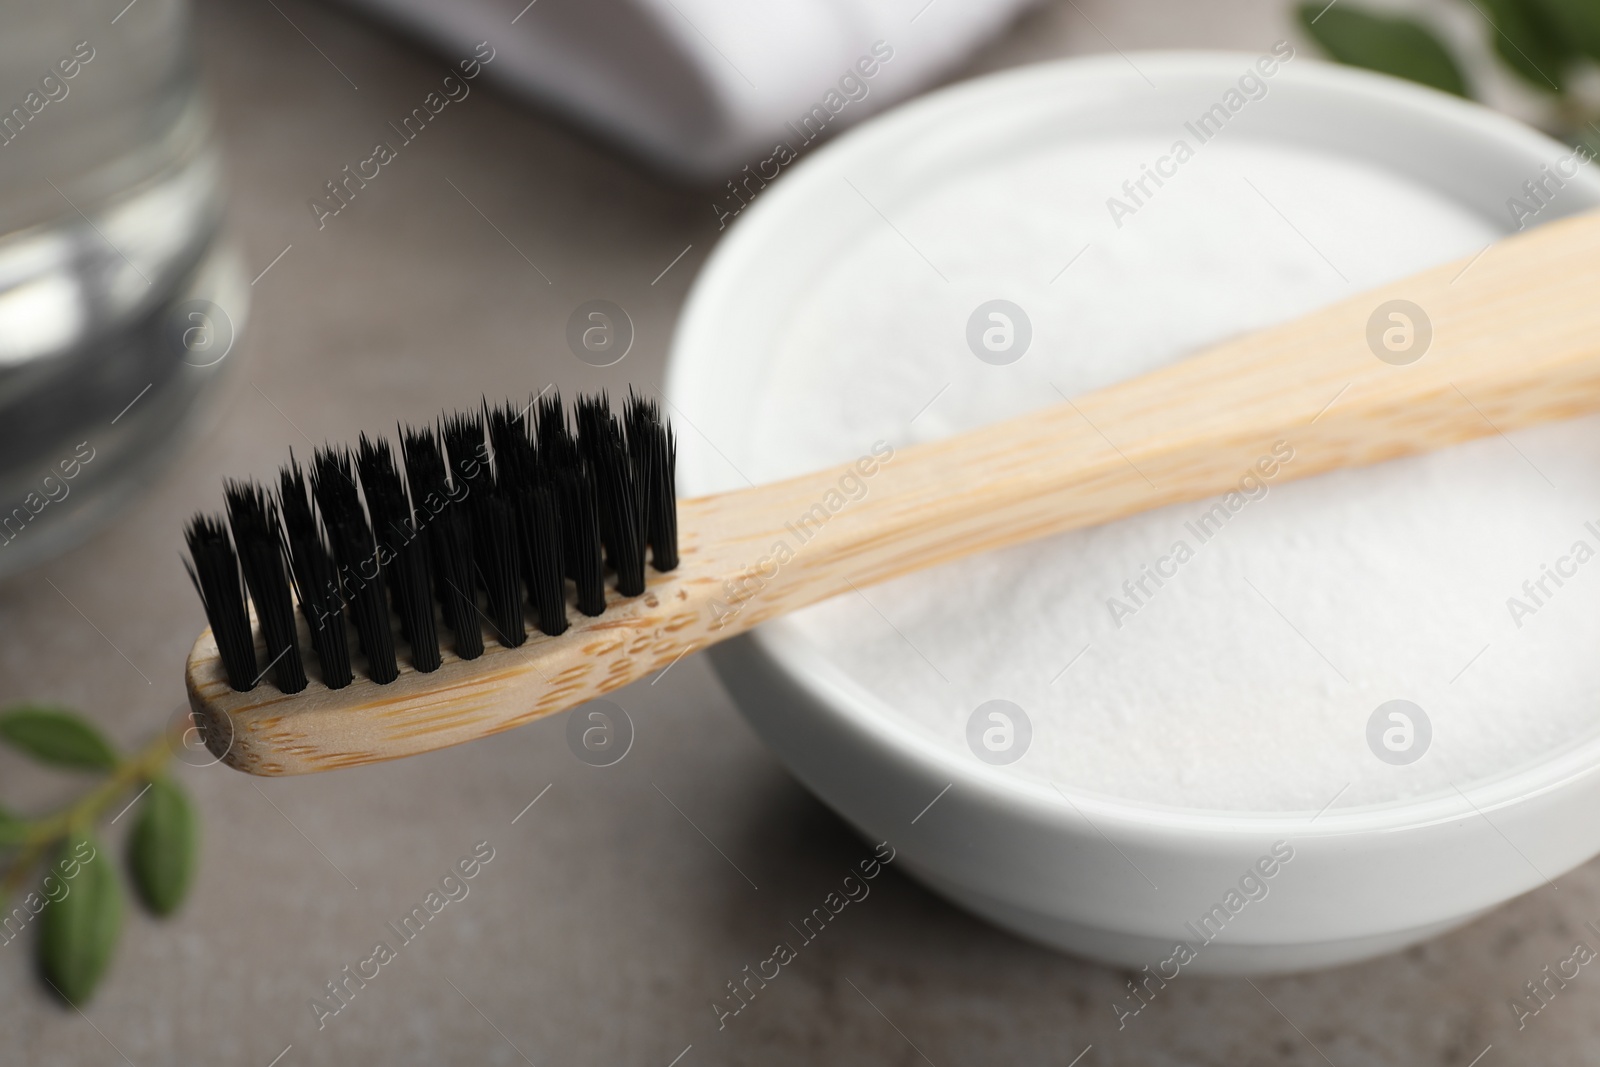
x: 702, y: 87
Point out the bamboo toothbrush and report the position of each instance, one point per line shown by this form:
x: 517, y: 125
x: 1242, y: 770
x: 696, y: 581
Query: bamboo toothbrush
x: 1515, y: 341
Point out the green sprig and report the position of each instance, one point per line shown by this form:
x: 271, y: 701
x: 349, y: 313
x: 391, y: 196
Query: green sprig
x: 1544, y: 43
x: 81, y: 917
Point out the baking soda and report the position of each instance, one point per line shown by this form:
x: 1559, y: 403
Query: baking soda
x: 1255, y: 673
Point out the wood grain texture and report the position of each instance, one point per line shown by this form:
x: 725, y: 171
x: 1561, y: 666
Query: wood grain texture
x: 1516, y: 341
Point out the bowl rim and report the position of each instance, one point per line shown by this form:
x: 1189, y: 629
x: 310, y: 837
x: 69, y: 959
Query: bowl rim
x: 868, y: 716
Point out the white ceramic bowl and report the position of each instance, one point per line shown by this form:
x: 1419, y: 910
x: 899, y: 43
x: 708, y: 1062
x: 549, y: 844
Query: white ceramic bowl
x: 1103, y: 877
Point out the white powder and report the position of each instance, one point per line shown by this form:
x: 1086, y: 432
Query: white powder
x: 1390, y: 581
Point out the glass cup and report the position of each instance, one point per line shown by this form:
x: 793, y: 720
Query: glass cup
x: 118, y: 303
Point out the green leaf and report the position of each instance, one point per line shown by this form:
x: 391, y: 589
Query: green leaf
x: 1388, y: 44
x: 56, y: 736
x: 78, y: 930
x: 12, y: 829
x: 1530, y: 42
x: 162, y: 846
x: 1576, y: 21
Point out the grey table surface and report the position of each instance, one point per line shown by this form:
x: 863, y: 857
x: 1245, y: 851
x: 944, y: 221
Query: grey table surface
x: 607, y: 921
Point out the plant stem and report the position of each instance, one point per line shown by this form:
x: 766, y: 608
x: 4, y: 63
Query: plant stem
x: 147, y: 763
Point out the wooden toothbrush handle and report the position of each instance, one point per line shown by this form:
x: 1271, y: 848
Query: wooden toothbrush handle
x: 1503, y: 341
x: 1515, y: 340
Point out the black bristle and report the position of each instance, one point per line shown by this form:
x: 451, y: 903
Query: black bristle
x: 499, y: 559
x: 493, y: 512
x: 550, y: 433
x: 467, y: 450
x: 315, y: 580
x: 618, y: 490
x: 547, y: 586
x: 517, y: 476
x: 406, y: 569
x: 573, y: 488
x: 497, y: 563
x: 254, y: 520
x: 215, y: 574
x: 449, y: 537
x: 356, y: 555
x: 430, y: 487
x: 654, y: 452
x: 457, y: 569
x: 581, y: 548
x: 520, y: 476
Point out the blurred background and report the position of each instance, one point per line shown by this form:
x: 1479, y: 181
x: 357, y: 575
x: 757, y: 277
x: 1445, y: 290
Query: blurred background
x: 197, y: 217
